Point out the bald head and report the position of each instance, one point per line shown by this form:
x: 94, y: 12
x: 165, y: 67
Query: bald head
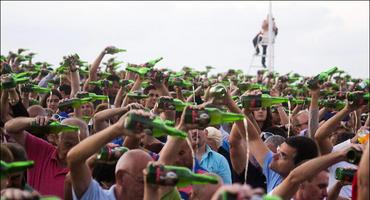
x: 84, y: 131
x: 133, y: 161
x: 206, y: 191
x: 36, y: 110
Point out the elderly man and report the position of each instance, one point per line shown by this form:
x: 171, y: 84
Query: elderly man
x: 48, y: 174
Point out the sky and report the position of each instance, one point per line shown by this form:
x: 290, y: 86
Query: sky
x: 313, y: 36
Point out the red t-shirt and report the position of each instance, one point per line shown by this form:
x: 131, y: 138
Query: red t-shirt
x: 46, y: 176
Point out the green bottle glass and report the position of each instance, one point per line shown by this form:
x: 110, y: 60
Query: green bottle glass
x: 137, y: 95
x: 152, y: 63
x: 171, y: 104
x: 244, y: 86
x: 114, y: 50
x: 74, y: 102
x: 218, y: 91
x: 321, y: 78
x: 155, y: 127
x: 186, y: 93
x: 96, y: 97
x: 359, y: 98
x: 180, y: 83
x: 168, y: 175
x: 210, y: 116
x: 53, y: 127
x: 295, y: 101
x: 125, y: 82
x: 9, y: 81
x: 102, y: 83
x: 354, y: 156
x: 332, y: 103
x: 12, y: 167
x: 35, y: 88
x: 34, y: 102
x: 264, y: 100
x: 343, y: 174
x: 110, y: 155
x: 142, y: 71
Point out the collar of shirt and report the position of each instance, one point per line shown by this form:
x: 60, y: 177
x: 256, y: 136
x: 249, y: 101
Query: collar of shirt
x: 207, y: 153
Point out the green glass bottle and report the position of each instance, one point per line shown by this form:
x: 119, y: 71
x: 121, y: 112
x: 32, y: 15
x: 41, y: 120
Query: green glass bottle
x: 264, y: 100
x: 218, y: 91
x: 9, y: 81
x: 244, y: 86
x: 359, y: 98
x: 142, y: 71
x: 96, y: 97
x: 34, y: 102
x: 321, y: 78
x: 102, y: 83
x: 168, y: 175
x: 114, y: 50
x: 35, y: 88
x: 332, y: 103
x: 110, y: 155
x: 74, y: 102
x: 171, y: 104
x: 210, y: 116
x: 137, y: 95
x: 354, y: 156
x: 180, y: 83
x: 155, y: 127
x: 152, y: 63
x: 13, y: 167
x: 53, y: 127
x: 125, y: 82
x: 343, y: 174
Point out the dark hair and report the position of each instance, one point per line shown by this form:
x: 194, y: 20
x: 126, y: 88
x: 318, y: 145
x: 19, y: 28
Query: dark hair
x: 104, y: 172
x: 113, y: 77
x: 18, y: 152
x: 147, y: 89
x: 6, y: 154
x: 306, y: 148
x: 341, y: 137
x: 268, y: 121
x: 277, y: 131
x: 47, y: 95
x: 65, y: 88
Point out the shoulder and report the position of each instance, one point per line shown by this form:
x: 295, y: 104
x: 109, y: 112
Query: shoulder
x: 94, y: 191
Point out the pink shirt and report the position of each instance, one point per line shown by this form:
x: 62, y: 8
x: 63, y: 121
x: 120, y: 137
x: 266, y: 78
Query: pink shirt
x: 46, y: 176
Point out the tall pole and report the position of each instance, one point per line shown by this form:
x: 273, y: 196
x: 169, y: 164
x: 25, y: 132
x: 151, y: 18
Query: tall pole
x: 270, y: 40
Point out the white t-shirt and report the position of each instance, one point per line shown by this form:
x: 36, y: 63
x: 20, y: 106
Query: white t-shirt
x: 346, y: 191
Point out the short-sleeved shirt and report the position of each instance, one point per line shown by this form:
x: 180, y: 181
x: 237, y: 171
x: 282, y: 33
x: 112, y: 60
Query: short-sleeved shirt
x: 273, y: 179
x: 46, y: 176
x: 95, y: 192
x: 346, y: 190
x: 216, y: 163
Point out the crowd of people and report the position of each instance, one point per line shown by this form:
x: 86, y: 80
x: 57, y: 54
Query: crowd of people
x: 92, y: 131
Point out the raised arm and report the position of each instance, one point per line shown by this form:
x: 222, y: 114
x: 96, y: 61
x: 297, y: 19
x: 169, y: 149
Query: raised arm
x: 16, y: 127
x: 323, y: 132
x: 77, y: 156
x: 313, y: 122
x: 309, y: 169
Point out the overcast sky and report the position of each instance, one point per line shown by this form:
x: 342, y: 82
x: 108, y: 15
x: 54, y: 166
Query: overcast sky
x: 313, y: 36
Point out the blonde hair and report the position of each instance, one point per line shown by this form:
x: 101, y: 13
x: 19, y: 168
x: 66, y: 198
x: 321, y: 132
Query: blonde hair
x: 214, y: 134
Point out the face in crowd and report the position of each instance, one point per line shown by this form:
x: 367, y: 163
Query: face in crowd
x: 152, y: 99
x: 52, y: 102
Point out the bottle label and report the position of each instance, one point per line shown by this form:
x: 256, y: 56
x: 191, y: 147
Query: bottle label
x: 252, y: 101
x: 200, y: 117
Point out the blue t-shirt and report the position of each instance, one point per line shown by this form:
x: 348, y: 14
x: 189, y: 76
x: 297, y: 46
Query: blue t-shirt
x: 216, y: 163
x: 95, y: 192
x: 273, y: 179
